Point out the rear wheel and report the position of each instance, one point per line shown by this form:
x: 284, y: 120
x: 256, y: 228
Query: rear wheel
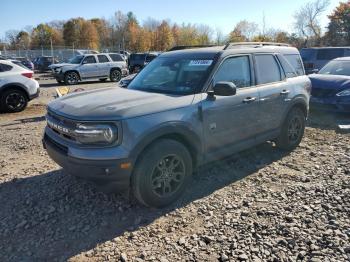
x: 292, y: 130
x: 71, y: 78
x: 162, y: 173
x: 115, y: 75
x: 14, y: 100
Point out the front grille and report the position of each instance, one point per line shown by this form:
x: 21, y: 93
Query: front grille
x: 61, y: 126
x: 317, y: 92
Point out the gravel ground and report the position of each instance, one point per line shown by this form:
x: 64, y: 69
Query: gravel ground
x: 259, y: 205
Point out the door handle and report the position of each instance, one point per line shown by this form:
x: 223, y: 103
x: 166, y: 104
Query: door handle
x: 249, y: 100
x: 285, y: 92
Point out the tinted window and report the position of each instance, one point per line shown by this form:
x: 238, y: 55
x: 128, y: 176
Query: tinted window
x: 267, y: 69
x: 149, y: 58
x: 235, y: 70
x: 89, y: 60
x: 137, y: 57
x: 307, y: 54
x: 116, y: 57
x: 102, y: 59
x: 5, y: 68
x: 329, y: 54
x: 296, y: 62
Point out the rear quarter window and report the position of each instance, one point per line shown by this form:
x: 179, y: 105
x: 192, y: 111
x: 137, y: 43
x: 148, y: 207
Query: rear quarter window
x: 5, y: 68
x: 267, y: 69
x: 116, y: 58
x: 296, y: 63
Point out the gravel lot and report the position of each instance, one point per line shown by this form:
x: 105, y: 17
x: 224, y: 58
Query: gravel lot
x: 259, y: 205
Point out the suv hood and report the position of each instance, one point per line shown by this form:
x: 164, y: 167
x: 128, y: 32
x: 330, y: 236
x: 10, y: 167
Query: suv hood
x: 115, y: 103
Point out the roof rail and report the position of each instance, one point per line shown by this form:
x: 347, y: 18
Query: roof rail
x: 181, y: 47
x: 254, y: 44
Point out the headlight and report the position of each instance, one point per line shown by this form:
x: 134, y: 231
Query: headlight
x: 102, y: 134
x: 345, y: 92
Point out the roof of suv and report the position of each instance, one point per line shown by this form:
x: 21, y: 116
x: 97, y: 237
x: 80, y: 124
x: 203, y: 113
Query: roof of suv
x: 208, y: 52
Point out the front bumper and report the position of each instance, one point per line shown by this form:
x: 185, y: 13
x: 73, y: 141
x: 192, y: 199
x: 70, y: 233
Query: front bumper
x: 125, y: 72
x: 107, y: 174
x: 332, y: 104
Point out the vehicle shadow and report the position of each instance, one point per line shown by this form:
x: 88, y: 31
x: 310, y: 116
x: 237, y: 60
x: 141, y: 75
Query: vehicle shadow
x: 55, y: 216
x: 327, y: 120
x: 25, y: 120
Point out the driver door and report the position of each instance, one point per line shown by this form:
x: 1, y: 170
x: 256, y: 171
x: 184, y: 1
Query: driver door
x: 231, y: 121
x: 89, y: 67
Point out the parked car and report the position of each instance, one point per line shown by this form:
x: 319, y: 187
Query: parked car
x: 17, y: 86
x: 24, y: 61
x: 317, y: 57
x: 331, y: 86
x: 91, y: 66
x: 137, y: 61
x: 184, y: 109
x: 42, y: 63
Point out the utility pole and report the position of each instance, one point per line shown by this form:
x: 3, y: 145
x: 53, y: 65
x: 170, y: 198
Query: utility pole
x: 51, y: 50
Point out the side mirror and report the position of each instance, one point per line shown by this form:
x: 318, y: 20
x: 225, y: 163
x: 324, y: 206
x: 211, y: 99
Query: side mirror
x: 224, y: 89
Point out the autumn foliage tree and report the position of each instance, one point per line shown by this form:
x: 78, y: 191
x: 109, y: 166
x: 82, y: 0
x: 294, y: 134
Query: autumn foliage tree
x: 339, y: 26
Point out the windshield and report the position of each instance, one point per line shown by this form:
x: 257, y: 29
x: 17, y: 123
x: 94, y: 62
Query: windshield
x: 336, y: 68
x: 76, y: 60
x: 172, y: 75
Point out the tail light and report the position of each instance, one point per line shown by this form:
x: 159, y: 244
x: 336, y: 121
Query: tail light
x: 29, y: 74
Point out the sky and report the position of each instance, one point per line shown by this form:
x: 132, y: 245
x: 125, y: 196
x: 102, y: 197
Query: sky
x: 223, y: 14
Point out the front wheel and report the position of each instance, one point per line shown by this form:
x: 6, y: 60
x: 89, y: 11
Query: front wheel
x: 162, y: 173
x: 292, y: 130
x: 13, y: 100
x: 115, y: 75
x: 71, y: 78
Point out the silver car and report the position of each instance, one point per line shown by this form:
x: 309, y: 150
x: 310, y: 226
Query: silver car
x: 186, y: 108
x: 91, y: 66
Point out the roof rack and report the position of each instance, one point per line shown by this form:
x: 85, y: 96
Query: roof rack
x: 182, y: 47
x: 253, y: 44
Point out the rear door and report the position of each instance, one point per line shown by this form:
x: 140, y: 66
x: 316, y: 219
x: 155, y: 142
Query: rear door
x: 232, y: 120
x: 103, y: 65
x: 273, y: 90
x: 89, y: 67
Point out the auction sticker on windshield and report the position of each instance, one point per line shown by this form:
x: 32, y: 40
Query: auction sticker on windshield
x: 200, y: 62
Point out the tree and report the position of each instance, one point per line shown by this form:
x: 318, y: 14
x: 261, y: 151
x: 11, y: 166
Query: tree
x: 71, y: 31
x: 243, y: 31
x: 23, y: 40
x: 164, y: 36
x: 43, y: 34
x: 11, y: 38
x: 338, y: 33
x: 307, y: 22
x: 88, y: 36
x: 102, y: 28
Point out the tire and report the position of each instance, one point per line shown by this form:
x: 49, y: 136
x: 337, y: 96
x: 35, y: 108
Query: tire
x: 103, y: 79
x: 156, y: 164
x: 115, y: 75
x: 292, y: 130
x: 13, y: 100
x: 71, y: 78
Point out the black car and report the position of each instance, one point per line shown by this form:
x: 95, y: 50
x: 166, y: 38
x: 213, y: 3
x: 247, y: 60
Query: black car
x: 137, y: 61
x: 42, y: 63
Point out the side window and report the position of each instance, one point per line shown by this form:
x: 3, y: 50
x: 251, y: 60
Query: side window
x: 102, y: 59
x: 5, y: 68
x: 297, y: 64
x: 287, y: 67
x: 267, y: 69
x: 89, y: 60
x: 330, y: 54
x: 116, y: 57
x: 235, y: 70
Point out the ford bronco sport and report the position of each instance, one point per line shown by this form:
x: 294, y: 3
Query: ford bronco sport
x: 186, y: 108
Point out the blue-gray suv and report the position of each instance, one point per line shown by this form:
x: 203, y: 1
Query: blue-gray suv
x: 186, y: 108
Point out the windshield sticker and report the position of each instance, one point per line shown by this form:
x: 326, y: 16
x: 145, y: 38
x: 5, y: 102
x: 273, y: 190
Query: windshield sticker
x: 200, y: 62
